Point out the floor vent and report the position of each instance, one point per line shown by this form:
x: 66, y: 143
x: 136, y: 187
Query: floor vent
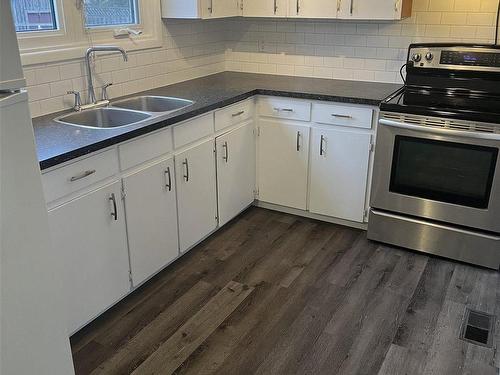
x: 478, y: 328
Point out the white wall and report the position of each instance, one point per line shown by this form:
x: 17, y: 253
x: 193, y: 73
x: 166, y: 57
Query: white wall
x: 369, y: 51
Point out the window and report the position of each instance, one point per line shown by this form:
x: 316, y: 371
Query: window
x: 110, y: 12
x: 34, y: 15
x: 57, y: 30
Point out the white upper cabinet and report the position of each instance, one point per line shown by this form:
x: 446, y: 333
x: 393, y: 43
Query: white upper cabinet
x: 265, y: 8
x: 371, y: 10
x: 235, y: 171
x: 339, y: 173
x: 283, y: 163
x: 151, y: 211
x: 204, y: 9
x: 196, y: 193
x: 312, y: 8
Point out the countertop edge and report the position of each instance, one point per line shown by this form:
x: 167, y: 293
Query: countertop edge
x: 73, y: 154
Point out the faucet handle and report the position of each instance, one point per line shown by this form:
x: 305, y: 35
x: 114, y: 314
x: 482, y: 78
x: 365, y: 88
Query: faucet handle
x: 78, y: 100
x: 105, y: 95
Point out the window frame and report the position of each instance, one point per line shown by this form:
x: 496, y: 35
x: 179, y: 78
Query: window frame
x: 72, y: 38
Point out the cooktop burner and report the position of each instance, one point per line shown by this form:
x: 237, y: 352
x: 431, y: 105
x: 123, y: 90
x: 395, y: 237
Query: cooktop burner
x: 453, y: 103
x: 452, y: 81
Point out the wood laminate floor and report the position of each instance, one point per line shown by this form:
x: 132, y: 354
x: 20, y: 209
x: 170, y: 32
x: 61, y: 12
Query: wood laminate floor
x: 272, y: 293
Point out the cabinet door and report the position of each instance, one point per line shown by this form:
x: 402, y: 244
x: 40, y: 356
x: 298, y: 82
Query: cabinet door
x: 220, y: 8
x: 196, y: 193
x: 235, y: 171
x: 151, y: 211
x: 283, y: 163
x: 312, y: 8
x: 265, y: 8
x: 89, y: 236
x: 365, y: 9
x: 339, y: 173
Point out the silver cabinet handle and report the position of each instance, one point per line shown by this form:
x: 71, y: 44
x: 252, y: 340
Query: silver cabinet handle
x: 238, y: 114
x: 339, y: 4
x: 226, y: 152
x: 352, y: 7
x: 321, y: 150
x: 283, y: 109
x: 168, y: 176
x: 186, y: 175
x: 298, y: 7
x: 211, y: 6
x: 298, y: 141
x: 341, y: 116
x: 114, y: 214
x: 275, y: 6
x: 82, y: 175
x: 396, y: 6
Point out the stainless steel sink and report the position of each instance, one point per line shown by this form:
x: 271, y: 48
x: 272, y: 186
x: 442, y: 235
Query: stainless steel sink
x: 104, y: 118
x: 153, y: 103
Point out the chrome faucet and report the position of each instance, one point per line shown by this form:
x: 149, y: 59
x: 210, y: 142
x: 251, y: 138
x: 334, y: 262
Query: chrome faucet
x: 91, y: 92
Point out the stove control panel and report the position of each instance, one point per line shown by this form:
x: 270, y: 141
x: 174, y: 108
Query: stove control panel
x: 474, y: 58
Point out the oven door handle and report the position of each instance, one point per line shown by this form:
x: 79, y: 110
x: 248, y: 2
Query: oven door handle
x: 426, y: 129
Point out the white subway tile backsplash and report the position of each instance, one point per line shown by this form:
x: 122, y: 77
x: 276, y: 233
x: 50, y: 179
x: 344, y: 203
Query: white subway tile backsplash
x: 366, y: 50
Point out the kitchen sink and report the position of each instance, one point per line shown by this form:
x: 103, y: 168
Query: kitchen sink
x: 153, y: 103
x: 104, y: 118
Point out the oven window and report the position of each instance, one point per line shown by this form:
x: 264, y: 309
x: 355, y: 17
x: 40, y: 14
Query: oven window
x: 443, y: 171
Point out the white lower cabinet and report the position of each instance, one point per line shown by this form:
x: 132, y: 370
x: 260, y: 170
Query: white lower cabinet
x: 235, y: 171
x: 283, y: 163
x: 339, y: 173
x: 90, y: 239
x: 151, y: 211
x: 196, y: 193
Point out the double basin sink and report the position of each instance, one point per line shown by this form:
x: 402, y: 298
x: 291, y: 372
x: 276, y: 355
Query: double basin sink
x: 125, y: 112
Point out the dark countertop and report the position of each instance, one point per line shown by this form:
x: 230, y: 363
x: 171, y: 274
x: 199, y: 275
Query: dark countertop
x: 58, y: 143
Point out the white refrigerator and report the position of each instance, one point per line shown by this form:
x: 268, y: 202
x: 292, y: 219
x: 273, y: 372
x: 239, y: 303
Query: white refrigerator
x: 32, y: 335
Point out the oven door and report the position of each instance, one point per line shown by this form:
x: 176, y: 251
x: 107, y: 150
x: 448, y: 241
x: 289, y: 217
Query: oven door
x: 439, y: 174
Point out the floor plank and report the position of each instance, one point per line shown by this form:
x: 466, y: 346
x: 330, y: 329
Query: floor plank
x: 272, y: 293
x: 170, y: 355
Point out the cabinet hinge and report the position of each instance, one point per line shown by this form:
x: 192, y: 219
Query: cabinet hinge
x: 256, y: 193
x: 258, y: 131
x: 130, y: 279
x: 367, y: 213
x: 124, y: 195
x: 372, y: 147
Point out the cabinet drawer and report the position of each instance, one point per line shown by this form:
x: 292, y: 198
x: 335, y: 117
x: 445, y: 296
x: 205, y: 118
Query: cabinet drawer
x: 79, y: 175
x: 234, y: 114
x: 146, y: 148
x: 284, y: 108
x: 193, y: 130
x: 335, y: 114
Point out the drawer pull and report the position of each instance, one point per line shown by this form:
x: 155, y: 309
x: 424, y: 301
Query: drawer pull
x: 238, y: 113
x: 283, y: 109
x: 82, y: 175
x: 342, y: 116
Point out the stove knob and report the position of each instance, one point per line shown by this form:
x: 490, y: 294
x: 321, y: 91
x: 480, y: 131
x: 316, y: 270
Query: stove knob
x: 416, y: 57
x: 429, y: 56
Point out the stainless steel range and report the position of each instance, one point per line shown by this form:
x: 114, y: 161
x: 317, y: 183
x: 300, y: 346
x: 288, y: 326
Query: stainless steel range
x: 436, y: 183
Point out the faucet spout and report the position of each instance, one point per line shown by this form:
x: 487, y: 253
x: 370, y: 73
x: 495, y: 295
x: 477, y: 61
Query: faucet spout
x: 91, y: 92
